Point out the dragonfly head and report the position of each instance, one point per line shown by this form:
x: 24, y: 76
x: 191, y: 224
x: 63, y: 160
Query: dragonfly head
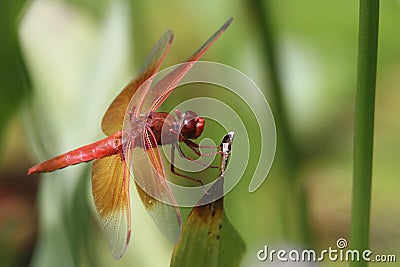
x: 192, y: 125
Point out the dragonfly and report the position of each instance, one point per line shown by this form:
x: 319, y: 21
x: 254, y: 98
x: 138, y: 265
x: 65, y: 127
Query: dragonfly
x: 134, y: 131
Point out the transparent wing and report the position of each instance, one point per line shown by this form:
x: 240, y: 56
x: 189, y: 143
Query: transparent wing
x: 114, y: 116
x: 110, y: 190
x: 166, y: 217
x: 153, y: 187
x: 162, y: 89
x: 148, y: 98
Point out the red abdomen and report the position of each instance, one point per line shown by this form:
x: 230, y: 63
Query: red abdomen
x: 106, y: 147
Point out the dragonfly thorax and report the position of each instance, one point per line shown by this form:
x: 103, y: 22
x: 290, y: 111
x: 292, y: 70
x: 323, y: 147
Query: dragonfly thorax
x: 166, y: 128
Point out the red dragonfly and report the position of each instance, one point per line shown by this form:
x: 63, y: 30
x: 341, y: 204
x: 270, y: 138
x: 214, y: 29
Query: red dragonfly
x: 130, y: 148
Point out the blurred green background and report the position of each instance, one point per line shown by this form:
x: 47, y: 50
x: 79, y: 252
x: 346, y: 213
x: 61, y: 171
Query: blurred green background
x: 63, y: 62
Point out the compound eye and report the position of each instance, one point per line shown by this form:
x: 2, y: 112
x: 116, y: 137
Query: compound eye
x: 189, y: 115
x: 199, y: 127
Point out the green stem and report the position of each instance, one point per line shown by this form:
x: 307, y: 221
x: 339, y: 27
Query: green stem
x: 296, y: 198
x: 265, y: 24
x: 364, y: 126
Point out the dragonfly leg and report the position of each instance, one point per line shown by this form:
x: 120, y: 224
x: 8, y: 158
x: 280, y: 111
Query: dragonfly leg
x: 194, y: 147
x: 193, y: 144
x: 180, y: 174
x: 192, y: 159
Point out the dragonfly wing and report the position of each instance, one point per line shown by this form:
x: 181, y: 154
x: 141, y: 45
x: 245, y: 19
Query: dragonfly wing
x: 110, y: 190
x: 165, y: 216
x: 114, y: 116
x: 153, y: 187
x: 162, y: 89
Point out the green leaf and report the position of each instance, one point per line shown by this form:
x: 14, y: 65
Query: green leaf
x: 14, y: 78
x: 208, y: 237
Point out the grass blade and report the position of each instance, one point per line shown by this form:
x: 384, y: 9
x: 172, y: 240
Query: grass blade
x: 364, y: 125
x: 295, y: 200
